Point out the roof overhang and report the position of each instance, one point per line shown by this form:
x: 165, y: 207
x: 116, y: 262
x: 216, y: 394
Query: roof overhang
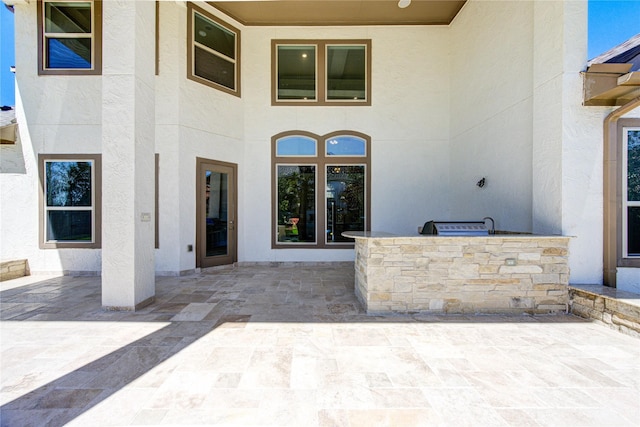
x: 610, y: 85
x: 8, y: 127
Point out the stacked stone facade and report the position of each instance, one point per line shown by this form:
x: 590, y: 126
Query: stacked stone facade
x: 492, y: 274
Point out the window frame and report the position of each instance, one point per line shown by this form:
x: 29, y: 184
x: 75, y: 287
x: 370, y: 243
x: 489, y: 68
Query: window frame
x: 321, y: 161
x: 625, y: 202
x: 95, y: 35
x: 96, y: 198
x: 321, y: 72
x: 192, y: 9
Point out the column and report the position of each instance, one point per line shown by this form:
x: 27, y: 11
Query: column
x: 128, y: 146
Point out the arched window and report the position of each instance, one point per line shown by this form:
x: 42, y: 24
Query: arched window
x: 321, y: 187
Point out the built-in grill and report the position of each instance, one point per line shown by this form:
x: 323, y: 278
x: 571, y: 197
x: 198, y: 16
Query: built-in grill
x: 455, y: 228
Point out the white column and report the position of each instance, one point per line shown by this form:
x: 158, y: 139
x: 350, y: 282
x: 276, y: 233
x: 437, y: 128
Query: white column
x: 128, y: 146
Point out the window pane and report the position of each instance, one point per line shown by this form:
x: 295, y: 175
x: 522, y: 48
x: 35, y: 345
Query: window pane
x: 296, y: 146
x: 61, y: 17
x: 296, y: 203
x: 214, y: 68
x: 69, y: 225
x: 215, y: 37
x: 633, y: 231
x: 69, y: 53
x: 216, y: 213
x: 346, y: 146
x: 296, y: 72
x: 68, y: 183
x: 633, y: 165
x: 346, y: 72
x: 345, y: 201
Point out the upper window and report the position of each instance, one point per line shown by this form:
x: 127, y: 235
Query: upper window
x: 321, y: 189
x: 70, y: 202
x: 214, y: 51
x: 330, y: 72
x: 69, y: 37
x: 631, y: 193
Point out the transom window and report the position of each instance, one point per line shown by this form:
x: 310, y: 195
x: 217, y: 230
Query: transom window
x: 631, y: 193
x: 69, y: 37
x: 329, y: 72
x: 70, y: 202
x: 321, y: 189
x: 214, y: 47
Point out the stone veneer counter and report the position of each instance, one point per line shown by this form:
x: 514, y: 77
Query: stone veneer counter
x: 503, y: 273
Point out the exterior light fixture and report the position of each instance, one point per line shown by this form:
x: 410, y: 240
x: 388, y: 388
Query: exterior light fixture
x: 404, y: 3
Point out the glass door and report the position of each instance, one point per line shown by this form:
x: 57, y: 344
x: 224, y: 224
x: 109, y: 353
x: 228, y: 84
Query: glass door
x: 216, y: 218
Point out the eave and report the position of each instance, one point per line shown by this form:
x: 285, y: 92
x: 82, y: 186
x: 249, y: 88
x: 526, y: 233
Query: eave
x: 610, y: 85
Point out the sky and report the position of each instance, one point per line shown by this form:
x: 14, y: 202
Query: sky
x: 611, y: 22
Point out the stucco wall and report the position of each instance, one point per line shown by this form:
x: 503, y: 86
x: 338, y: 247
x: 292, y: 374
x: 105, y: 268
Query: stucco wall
x: 407, y: 123
x: 56, y: 114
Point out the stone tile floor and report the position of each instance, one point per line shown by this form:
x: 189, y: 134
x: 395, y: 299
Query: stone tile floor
x: 291, y: 346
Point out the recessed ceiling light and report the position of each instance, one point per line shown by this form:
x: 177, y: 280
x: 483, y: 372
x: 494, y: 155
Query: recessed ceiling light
x: 304, y: 55
x: 202, y: 33
x: 404, y: 3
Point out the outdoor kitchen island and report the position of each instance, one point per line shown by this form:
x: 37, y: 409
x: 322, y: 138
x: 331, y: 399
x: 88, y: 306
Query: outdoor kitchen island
x: 498, y: 273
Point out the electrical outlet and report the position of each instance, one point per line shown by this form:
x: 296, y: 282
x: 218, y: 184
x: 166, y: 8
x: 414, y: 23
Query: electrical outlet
x: 511, y: 261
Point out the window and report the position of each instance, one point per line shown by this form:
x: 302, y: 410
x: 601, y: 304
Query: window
x: 631, y: 192
x: 69, y: 37
x: 330, y: 72
x: 213, y: 51
x: 321, y: 189
x: 70, y: 201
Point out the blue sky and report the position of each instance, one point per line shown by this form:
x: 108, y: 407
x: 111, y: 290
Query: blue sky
x: 610, y: 23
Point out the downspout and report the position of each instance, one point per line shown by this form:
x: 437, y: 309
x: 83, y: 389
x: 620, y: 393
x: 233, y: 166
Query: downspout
x: 612, y: 227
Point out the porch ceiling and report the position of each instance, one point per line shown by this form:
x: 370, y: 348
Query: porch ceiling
x: 340, y: 12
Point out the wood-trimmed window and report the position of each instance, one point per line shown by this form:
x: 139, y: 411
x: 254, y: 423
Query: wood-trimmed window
x: 70, y: 200
x: 70, y: 37
x: 321, y: 72
x: 630, y: 192
x: 321, y: 188
x: 213, y: 51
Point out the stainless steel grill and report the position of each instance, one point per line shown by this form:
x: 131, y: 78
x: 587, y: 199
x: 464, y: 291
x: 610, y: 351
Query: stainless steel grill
x: 455, y: 228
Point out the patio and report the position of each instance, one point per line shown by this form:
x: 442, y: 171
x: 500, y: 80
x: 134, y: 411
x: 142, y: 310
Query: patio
x: 290, y: 345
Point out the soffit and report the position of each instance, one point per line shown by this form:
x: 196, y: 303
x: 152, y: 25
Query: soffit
x: 340, y: 12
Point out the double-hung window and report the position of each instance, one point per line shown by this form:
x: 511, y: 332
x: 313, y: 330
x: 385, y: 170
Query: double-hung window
x: 70, y: 201
x: 321, y: 189
x: 214, y: 51
x: 323, y: 72
x: 69, y: 37
x: 631, y: 192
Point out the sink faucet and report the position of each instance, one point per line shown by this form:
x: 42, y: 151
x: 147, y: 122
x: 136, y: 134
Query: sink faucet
x: 493, y: 224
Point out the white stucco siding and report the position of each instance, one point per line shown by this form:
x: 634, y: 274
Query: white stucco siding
x: 408, y: 123
x: 491, y: 113
x: 56, y: 114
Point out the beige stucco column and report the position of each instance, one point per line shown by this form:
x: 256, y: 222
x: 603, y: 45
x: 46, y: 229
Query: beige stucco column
x: 128, y: 113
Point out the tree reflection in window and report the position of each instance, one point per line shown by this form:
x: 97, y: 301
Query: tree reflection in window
x: 296, y: 203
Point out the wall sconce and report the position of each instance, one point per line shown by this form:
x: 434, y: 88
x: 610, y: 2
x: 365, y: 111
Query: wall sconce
x: 404, y: 3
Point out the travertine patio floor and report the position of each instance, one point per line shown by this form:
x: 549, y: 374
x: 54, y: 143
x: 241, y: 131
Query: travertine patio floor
x: 291, y: 346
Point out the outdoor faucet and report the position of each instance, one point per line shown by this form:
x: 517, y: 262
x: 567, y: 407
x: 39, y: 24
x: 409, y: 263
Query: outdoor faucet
x: 493, y: 224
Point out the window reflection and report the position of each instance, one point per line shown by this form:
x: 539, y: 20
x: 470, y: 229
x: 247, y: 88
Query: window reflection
x: 345, y: 201
x: 296, y: 203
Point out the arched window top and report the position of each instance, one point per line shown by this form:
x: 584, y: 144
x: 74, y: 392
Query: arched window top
x: 346, y: 145
x: 296, y: 146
